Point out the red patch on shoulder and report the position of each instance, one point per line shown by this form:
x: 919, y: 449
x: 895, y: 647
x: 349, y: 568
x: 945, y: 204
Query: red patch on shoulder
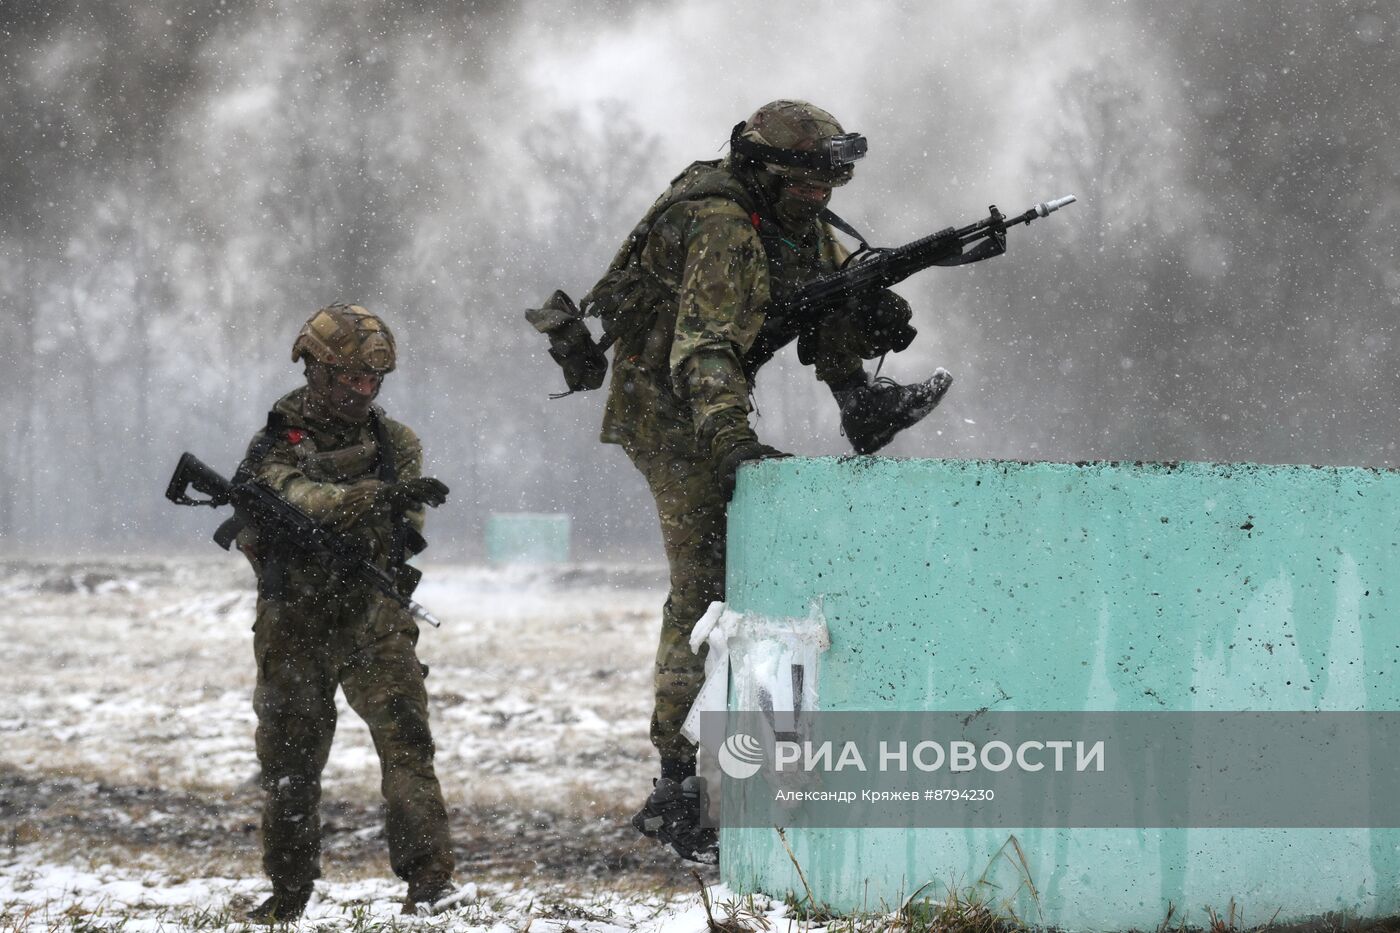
x: 755, y: 220
x: 295, y: 435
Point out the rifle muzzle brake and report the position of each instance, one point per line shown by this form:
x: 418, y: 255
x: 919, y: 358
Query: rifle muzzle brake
x: 1046, y: 208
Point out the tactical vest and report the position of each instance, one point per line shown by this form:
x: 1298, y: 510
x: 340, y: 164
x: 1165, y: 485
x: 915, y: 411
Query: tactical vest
x: 627, y: 296
x: 404, y: 540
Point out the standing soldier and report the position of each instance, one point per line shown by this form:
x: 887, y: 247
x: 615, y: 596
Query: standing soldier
x: 686, y: 301
x: 328, y: 450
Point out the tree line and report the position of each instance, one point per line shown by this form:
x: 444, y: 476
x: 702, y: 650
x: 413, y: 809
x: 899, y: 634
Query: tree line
x: 183, y: 186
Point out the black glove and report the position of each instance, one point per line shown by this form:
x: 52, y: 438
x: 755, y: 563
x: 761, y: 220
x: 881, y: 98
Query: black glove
x: 408, y: 494
x: 872, y: 414
x: 741, y: 451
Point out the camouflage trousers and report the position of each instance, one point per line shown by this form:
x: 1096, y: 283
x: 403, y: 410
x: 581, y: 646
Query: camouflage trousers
x: 691, y: 507
x: 306, y: 647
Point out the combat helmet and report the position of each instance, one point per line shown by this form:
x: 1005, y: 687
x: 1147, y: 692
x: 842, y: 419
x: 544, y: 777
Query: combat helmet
x: 346, y: 337
x: 799, y: 141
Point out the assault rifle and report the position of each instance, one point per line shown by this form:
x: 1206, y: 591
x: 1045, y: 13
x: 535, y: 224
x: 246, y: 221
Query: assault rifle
x: 873, y: 268
x: 283, y: 525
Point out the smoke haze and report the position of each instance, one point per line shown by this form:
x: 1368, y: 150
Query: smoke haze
x: 182, y: 184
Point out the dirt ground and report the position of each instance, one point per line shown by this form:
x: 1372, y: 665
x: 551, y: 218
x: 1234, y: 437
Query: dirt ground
x: 126, y: 726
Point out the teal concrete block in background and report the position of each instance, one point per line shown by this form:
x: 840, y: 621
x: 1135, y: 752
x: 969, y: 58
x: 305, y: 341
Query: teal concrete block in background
x: 527, y: 538
x: 951, y: 585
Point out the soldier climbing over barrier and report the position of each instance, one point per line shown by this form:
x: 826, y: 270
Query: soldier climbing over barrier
x: 737, y: 259
x: 689, y: 303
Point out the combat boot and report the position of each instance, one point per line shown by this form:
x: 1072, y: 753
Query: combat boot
x: 433, y: 895
x: 284, y: 906
x: 674, y: 814
x: 872, y: 414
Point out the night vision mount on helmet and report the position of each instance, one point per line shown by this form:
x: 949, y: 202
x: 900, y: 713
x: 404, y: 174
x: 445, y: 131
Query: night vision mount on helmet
x: 797, y: 141
x: 834, y: 154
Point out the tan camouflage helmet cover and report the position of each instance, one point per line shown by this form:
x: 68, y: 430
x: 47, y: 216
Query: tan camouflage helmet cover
x: 346, y: 337
x: 800, y: 126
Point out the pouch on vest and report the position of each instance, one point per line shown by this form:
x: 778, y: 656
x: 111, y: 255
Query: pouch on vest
x: 571, y: 345
x: 625, y: 299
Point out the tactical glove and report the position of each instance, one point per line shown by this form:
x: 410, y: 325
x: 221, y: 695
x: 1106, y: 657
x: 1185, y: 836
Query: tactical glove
x: 740, y: 451
x: 354, y: 503
x: 408, y: 494
x: 873, y: 413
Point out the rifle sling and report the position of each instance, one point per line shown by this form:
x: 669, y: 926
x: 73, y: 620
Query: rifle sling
x: 404, y: 540
x: 828, y: 216
x: 225, y: 534
x: 272, y: 576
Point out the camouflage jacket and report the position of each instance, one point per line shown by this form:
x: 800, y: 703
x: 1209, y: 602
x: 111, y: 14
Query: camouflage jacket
x: 683, y: 382
x: 330, y: 470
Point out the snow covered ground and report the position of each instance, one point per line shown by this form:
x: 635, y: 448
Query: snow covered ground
x: 127, y: 765
x: 61, y: 897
